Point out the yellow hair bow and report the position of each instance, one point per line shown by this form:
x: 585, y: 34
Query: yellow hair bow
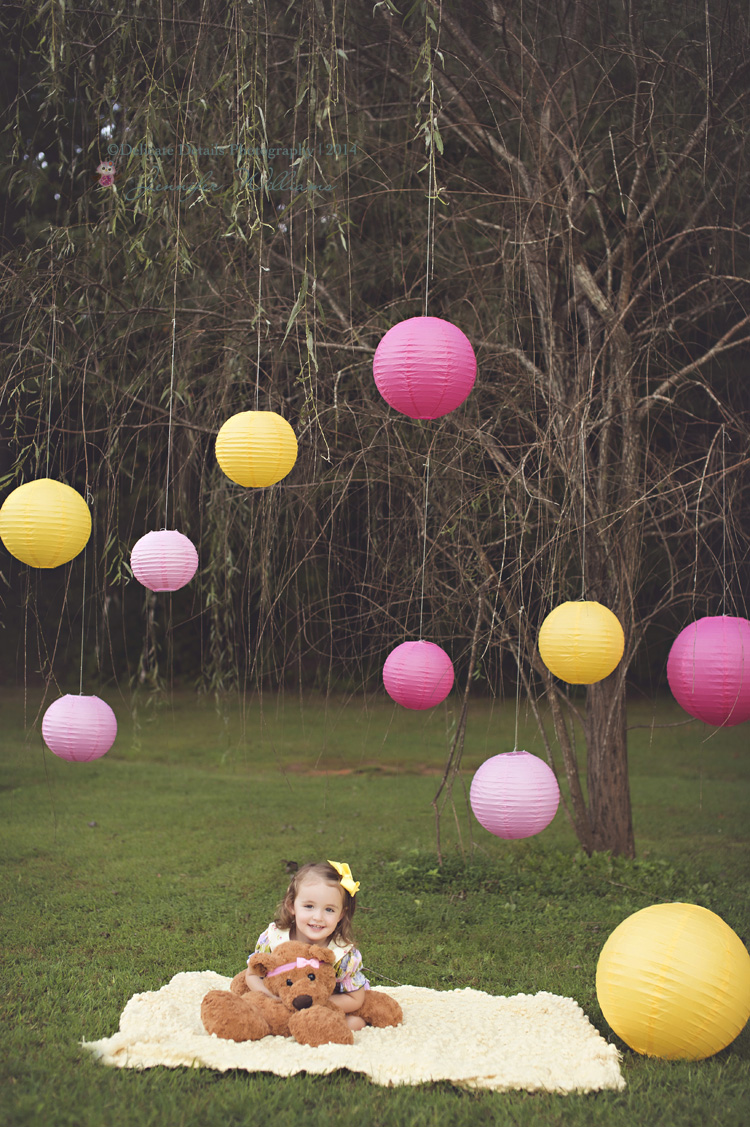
x: 347, y: 880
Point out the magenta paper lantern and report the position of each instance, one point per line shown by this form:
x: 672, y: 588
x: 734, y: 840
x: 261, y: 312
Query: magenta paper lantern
x: 164, y: 561
x: 79, y: 728
x: 424, y: 367
x: 418, y: 675
x: 709, y: 670
x: 514, y: 795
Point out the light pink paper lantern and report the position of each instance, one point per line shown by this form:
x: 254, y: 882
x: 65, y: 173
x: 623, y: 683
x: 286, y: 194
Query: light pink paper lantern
x: 79, y: 728
x: 418, y: 675
x: 709, y: 670
x: 164, y: 561
x: 514, y: 795
x: 424, y: 367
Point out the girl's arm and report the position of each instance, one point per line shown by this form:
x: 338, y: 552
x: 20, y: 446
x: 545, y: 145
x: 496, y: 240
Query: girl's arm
x: 256, y: 983
x: 349, y: 1002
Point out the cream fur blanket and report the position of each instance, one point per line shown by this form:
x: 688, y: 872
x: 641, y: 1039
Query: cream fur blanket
x: 467, y: 1037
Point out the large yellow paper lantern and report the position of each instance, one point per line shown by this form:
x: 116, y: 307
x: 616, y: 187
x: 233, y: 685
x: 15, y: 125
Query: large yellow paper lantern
x: 581, y: 642
x: 673, y: 981
x: 256, y: 448
x: 45, y: 523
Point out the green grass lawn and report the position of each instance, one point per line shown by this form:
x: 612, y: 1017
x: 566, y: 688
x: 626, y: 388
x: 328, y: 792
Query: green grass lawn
x: 168, y: 854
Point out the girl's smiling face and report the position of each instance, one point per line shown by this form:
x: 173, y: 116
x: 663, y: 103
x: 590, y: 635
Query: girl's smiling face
x: 318, y: 907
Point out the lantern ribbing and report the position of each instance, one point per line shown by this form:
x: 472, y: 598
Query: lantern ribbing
x: 44, y: 523
x: 514, y: 795
x: 673, y: 980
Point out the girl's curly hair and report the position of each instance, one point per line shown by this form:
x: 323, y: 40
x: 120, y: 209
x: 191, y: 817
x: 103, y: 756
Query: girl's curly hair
x: 285, y: 910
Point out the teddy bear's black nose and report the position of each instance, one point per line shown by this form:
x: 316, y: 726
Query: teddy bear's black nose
x: 302, y: 1002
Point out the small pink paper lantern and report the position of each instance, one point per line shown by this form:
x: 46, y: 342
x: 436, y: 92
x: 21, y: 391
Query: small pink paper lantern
x: 80, y: 728
x: 418, y: 675
x: 424, y: 367
x: 514, y: 795
x: 709, y: 670
x: 164, y: 561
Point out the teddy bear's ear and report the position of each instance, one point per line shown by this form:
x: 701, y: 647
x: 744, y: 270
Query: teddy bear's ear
x: 263, y: 961
x: 325, y: 954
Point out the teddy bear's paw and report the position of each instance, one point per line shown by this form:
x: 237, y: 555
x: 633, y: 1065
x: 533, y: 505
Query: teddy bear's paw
x: 380, y: 1010
x: 232, y: 1018
x: 239, y: 985
x: 318, y: 1026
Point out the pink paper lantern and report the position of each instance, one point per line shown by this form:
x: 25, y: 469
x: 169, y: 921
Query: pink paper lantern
x: 80, y: 728
x: 164, y: 561
x: 418, y: 675
x: 514, y: 795
x: 424, y: 367
x: 709, y: 670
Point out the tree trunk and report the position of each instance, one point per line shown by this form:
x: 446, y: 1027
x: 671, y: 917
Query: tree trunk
x: 609, y: 795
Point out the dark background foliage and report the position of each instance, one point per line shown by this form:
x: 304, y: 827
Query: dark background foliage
x: 568, y: 183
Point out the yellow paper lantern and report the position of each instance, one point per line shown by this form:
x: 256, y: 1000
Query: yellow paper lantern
x: 256, y: 448
x: 581, y: 642
x: 673, y: 981
x: 45, y: 523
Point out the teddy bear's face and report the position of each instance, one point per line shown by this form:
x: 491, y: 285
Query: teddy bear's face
x: 300, y: 974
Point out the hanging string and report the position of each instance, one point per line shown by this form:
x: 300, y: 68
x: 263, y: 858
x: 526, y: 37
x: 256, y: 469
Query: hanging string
x: 171, y: 374
x: 518, y: 673
x: 171, y: 399
x: 83, y: 617
x: 260, y: 68
x: 518, y: 649
x: 89, y: 501
x: 429, y: 257
x: 583, y: 502
x: 430, y: 253
x: 723, y: 522
x: 424, y: 539
x: 706, y: 464
x: 51, y: 377
x: 430, y: 208
x: 258, y: 314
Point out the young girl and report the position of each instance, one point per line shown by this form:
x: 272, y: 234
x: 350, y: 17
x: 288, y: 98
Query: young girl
x: 318, y: 908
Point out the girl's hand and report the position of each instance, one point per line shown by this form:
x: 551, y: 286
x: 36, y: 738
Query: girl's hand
x: 258, y: 986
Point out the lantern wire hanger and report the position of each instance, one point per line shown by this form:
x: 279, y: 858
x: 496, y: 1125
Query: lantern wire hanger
x: 83, y: 608
x: 430, y: 52
x: 424, y: 536
x: 172, y: 365
x: 704, y: 475
x: 88, y: 499
x: 51, y: 377
x: 171, y: 379
x: 583, y: 504
x: 725, y: 585
x: 430, y: 248
x: 258, y: 314
x: 429, y: 268
x: 518, y: 668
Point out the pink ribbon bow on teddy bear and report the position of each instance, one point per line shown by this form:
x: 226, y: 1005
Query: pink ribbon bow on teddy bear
x: 315, y: 963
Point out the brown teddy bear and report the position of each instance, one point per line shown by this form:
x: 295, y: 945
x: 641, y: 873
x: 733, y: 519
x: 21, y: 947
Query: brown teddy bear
x: 302, y: 977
